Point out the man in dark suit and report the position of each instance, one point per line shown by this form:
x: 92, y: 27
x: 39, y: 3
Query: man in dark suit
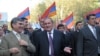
x: 88, y: 41
x: 35, y: 39
x: 32, y: 37
x: 73, y: 37
x: 25, y: 31
x: 62, y: 28
x: 51, y: 41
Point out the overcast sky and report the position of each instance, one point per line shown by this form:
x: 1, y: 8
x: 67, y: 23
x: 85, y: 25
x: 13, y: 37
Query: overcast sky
x: 14, y: 7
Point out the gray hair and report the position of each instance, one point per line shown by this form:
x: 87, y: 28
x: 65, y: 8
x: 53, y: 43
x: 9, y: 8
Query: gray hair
x: 15, y: 20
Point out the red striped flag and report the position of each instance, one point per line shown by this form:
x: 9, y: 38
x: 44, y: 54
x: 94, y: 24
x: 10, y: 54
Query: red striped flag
x: 69, y: 21
x: 96, y: 11
x: 51, y: 11
x: 25, y: 13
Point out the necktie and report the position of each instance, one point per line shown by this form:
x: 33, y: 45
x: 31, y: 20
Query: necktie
x: 94, y: 32
x: 18, y: 36
x: 51, y: 44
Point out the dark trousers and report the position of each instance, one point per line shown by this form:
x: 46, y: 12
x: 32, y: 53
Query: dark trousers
x: 98, y: 54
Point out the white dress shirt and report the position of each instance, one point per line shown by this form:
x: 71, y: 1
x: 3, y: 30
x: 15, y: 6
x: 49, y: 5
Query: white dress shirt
x: 17, y: 35
x: 42, y: 29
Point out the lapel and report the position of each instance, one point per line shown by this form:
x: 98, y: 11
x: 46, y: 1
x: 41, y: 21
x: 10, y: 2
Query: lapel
x: 54, y: 39
x: 45, y: 36
x: 54, y: 36
x: 23, y: 37
x: 97, y: 33
x: 13, y: 38
x: 90, y: 32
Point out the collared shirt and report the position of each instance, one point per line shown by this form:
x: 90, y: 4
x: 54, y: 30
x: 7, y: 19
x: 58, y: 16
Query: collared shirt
x: 42, y: 29
x: 92, y: 29
x: 52, y: 31
x: 17, y: 35
x: 64, y: 32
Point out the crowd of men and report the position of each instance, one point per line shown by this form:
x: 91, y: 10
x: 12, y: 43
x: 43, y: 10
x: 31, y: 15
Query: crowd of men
x: 23, y: 40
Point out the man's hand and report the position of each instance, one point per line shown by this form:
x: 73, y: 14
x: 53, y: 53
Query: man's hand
x: 67, y: 49
x: 14, y: 50
x: 23, y: 43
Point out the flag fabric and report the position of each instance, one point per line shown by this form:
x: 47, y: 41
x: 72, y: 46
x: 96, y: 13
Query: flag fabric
x: 51, y: 11
x: 69, y: 21
x: 25, y: 14
x: 96, y: 11
x: 3, y: 16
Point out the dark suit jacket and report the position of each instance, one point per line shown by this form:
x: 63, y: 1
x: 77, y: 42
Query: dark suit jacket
x: 72, y: 42
x: 35, y: 40
x: 58, y: 43
x: 87, y: 44
x: 26, y: 32
x: 7, y: 31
